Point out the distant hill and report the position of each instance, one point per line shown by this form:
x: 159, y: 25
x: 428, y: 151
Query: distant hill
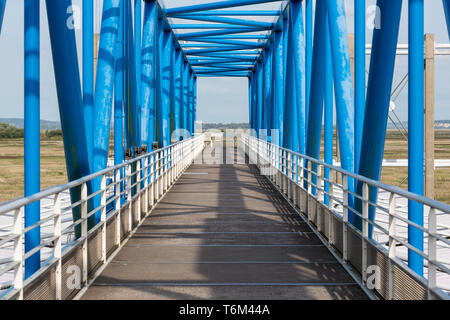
x: 222, y: 126
x: 19, y: 123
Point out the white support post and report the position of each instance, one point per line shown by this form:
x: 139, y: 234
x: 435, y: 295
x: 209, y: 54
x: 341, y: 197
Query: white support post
x: 19, y: 251
x: 103, y: 216
x: 309, y: 194
x: 138, y: 191
x: 365, y: 230
x: 84, y: 231
x: 319, y: 196
x: 130, y: 197
x: 432, y: 252
x: 57, y: 250
x: 392, y: 243
x: 345, y: 220
x: 118, y: 206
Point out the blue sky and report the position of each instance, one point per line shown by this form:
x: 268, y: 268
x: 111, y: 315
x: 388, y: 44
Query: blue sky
x: 219, y: 99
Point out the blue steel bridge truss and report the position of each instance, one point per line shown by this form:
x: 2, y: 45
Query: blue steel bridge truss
x: 298, y: 72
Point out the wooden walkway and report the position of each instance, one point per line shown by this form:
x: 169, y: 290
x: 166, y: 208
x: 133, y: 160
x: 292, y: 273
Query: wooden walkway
x: 223, y: 232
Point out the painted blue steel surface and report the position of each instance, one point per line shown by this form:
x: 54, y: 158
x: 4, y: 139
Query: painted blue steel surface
x: 68, y: 87
x: 382, y: 62
x: 267, y: 109
x: 416, y: 129
x: 214, y: 5
x: 360, y: 75
x: 309, y: 49
x: 149, y: 73
x: 315, y: 115
x: 278, y: 85
x: 119, y: 153
x: 88, y: 75
x: 328, y: 111
x: 446, y: 4
x: 32, y: 129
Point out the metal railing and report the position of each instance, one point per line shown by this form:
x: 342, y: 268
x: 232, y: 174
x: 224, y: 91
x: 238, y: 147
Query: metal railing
x: 324, y: 205
x: 126, y: 195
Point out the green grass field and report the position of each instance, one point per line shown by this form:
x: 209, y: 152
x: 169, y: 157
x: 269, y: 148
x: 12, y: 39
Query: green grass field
x: 53, y: 167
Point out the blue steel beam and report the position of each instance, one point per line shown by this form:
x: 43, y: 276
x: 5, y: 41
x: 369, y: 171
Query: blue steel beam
x: 163, y: 115
x: 104, y: 83
x: 119, y: 92
x: 382, y: 63
x: 32, y: 130
x: 184, y: 110
x: 278, y: 85
x: 238, y: 36
x: 193, y: 35
x: 309, y: 50
x: 343, y: 82
x: 132, y: 103
x: 225, y: 55
x: 259, y: 97
x: 247, y: 13
x: 231, y: 42
x: 137, y: 65
x: 267, y: 112
x: 196, y: 52
x: 360, y: 75
x: 230, y: 21
x: 213, y: 6
x: 70, y: 101
x: 149, y: 73
x: 207, y: 26
x: 328, y: 112
x: 88, y: 75
x: 315, y: 114
x: 416, y: 129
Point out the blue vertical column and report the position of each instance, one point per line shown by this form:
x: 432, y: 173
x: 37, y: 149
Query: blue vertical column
x: 191, y: 102
x: 178, y: 86
x: 137, y: 58
x: 133, y: 109
x: 309, y: 50
x: 32, y: 130
x: 148, y: 65
x: 184, y: 109
x: 328, y: 106
x: 104, y: 83
x: 250, y: 106
x: 382, y: 63
x: 299, y: 60
x: 88, y: 74
x: 194, y: 120
x: 278, y: 85
x: 343, y: 82
x: 416, y: 129
x: 360, y: 74
x: 315, y: 114
x: 70, y: 100
x: 119, y: 153
x: 268, y: 91
x: 166, y: 99
x: 259, y: 97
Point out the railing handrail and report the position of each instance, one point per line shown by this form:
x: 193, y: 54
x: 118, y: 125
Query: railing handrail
x: 407, y: 194
x: 23, y: 201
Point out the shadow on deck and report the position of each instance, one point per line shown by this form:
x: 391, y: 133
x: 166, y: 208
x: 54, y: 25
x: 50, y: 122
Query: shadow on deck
x: 223, y: 232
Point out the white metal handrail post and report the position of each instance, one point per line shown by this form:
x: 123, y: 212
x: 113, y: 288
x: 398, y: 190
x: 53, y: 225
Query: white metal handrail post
x: 138, y: 190
x: 432, y: 253
x: 84, y: 232
x: 319, y: 196
x: 57, y: 251
x: 365, y: 231
x: 118, y: 206
x: 130, y: 196
x: 345, y: 219
x: 19, y: 251
x: 392, y: 243
x: 103, y: 217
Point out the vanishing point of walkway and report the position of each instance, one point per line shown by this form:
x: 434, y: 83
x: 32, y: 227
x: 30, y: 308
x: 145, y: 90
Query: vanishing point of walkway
x: 223, y: 232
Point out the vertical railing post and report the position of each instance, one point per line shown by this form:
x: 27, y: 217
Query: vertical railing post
x: 103, y: 215
x: 138, y: 191
x: 345, y: 219
x: 432, y: 252
x: 118, y: 205
x: 308, y: 211
x: 392, y: 243
x: 319, y: 195
x: 84, y: 231
x: 57, y: 251
x: 129, y: 174
x: 365, y: 230
x: 19, y: 251
x: 146, y: 187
